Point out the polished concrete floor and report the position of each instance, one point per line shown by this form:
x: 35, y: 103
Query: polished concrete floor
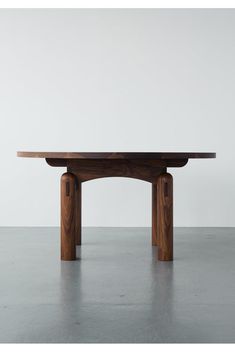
x: 118, y: 291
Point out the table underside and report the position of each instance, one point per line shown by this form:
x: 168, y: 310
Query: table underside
x: 143, y: 169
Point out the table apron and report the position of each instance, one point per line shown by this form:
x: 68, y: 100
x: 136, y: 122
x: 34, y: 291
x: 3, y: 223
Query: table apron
x: 89, y: 169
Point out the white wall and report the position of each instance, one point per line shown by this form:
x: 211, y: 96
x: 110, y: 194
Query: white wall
x: 117, y: 80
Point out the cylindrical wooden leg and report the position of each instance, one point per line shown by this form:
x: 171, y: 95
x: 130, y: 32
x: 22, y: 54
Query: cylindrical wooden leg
x: 78, y: 213
x: 68, y: 193
x: 154, y: 215
x: 165, y: 217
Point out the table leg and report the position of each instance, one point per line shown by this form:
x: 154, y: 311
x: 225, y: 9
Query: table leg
x: 165, y: 217
x: 68, y: 193
x: 154, y: 215
x: 78, y: 213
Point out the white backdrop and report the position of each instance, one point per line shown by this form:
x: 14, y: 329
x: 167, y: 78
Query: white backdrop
x: 117, y: 80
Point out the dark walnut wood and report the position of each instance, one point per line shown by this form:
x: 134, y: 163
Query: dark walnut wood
x: 141, y: 165
x: 146, y: 170
x: 154, y: 213
x: 147, y: 166
x: 165, y: 217
x: 117, y: 155
x: 68, y: 199
x: 78, y: 212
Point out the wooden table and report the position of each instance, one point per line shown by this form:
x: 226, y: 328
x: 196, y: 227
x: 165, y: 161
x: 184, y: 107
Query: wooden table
x: 147, y: 166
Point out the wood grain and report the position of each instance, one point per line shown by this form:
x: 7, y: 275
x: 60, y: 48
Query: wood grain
x: 154, y: 214
x: 165, y: 217
x: 116, y: 155
x: 78, y: 212
x: 146, y: 170
x: 68, y: 194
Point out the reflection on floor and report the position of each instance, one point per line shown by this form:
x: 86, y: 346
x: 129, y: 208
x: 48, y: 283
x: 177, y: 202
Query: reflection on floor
x: 117, y: 291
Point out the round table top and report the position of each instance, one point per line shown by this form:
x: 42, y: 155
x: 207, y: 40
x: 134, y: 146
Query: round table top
x: 117, y: 155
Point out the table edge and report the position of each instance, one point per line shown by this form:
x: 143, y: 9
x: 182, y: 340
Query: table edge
x: 116, y: 155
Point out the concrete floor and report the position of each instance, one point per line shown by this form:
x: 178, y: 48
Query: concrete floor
x: 118, y: 291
